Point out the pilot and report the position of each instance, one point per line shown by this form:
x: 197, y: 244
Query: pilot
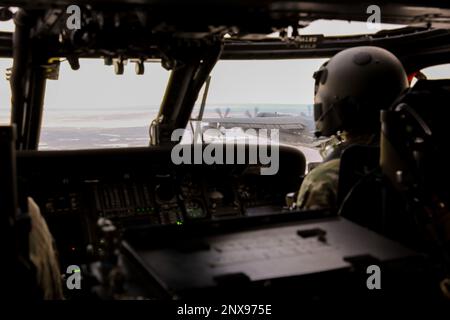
x: 350, y: 90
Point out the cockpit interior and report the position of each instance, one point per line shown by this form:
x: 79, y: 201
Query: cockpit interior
x: 215, y: 220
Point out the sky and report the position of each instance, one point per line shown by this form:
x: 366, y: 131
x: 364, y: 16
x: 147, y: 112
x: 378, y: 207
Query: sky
x: 95, y: 86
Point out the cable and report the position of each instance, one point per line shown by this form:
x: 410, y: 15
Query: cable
x: 355, y: 186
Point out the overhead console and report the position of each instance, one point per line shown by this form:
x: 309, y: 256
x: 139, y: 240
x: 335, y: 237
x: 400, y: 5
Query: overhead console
x: 143, y: 186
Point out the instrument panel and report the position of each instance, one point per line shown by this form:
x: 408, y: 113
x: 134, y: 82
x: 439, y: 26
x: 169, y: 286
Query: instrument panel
x: 142, y: 187
x: 162, y: 199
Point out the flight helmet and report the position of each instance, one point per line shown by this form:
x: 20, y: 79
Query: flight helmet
x: 353, y: 86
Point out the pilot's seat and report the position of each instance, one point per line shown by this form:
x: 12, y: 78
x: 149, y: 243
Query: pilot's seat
x: 32, y: 270
x: 379, y: 191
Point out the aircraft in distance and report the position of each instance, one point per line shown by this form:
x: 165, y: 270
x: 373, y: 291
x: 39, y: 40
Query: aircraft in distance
x: 293, y: 128
x: 152, y: 222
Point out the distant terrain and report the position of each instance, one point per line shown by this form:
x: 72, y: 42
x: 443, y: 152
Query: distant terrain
x: 89, y: 128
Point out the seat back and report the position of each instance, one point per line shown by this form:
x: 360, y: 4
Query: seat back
x: 368, y: 199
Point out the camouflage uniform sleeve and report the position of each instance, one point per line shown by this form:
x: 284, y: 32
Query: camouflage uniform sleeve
x: 319, y: 188
x: 43, y: 255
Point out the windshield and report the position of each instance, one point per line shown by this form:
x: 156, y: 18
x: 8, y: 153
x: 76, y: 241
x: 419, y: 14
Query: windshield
x: 94, y: 108
x: 5, y: 92
x: 5, y: 89
x: 332, y: 28
x: 267, y: 94
x: 441, y: 71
